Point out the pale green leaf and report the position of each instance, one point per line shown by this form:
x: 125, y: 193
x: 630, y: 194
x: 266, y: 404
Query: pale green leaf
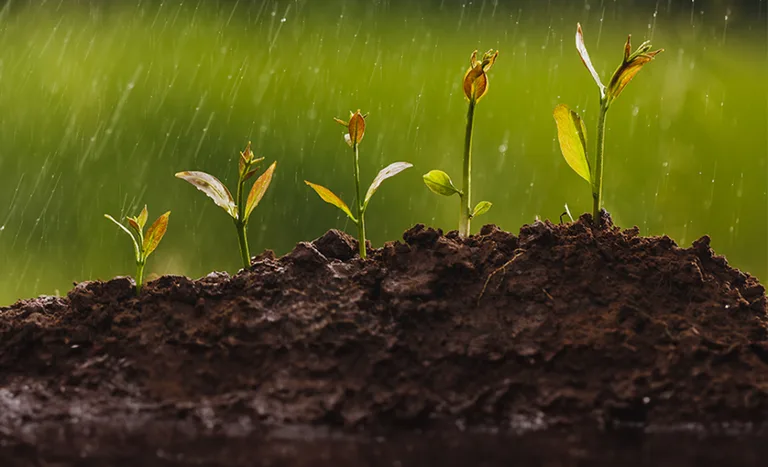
x: 258, y: 189
x: 212, y: 187
x: 155, y: 233
x: 481, y: 208
x: 439, y: 182
x: 387, y: 172
x: 329, y: 197
x: 136, y: 249
x: 572, y: 135
x: 142, y: 218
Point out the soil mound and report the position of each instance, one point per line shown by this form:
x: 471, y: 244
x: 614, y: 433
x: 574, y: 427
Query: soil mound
x: 563, y: 324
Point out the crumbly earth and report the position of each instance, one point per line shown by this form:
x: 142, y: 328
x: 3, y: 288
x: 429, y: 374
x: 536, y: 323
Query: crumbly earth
x: 563, y: 325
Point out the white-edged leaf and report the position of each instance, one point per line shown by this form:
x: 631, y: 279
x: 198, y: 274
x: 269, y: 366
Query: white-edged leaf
x: 582, y: 49
x: 155, y: 233
x: 258, y: 189
x: 440, y: 183
x: 387, y: 172
x: 212, y: 187
x: 481, y: 208
x: 136, y: 249
x: 330, y: 197
x: 572, y: 135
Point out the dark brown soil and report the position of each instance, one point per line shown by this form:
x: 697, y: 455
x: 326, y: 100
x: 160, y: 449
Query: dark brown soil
x: 577, y: 327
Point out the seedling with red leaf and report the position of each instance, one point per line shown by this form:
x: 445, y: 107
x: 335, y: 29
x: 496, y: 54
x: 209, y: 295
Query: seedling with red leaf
x: 355, y: 132
x: 475, y: 86
x: 571, y: 132
x: 143, y: 245
x: 239, y: 210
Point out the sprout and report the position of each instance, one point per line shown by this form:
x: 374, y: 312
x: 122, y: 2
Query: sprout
x: 143, y: 245
x: 571, y: 132
x: 475, y: 85
x: 354, y: 135
x: 241, y: 210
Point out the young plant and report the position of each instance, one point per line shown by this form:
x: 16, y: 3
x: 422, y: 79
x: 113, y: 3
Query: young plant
x: 571, y: 132
x: 475, y: 86
x: 238, y: 208
x: 353, y: 137
x: 143, y: 245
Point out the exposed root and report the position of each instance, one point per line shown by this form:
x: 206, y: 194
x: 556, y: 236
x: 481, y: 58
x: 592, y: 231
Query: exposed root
x: 518, y: 253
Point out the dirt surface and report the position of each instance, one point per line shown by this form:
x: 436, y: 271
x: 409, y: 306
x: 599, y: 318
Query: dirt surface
x: 561, y: 326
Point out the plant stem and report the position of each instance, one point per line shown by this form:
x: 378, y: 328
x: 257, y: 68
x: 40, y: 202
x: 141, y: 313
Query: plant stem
x: 240, y: 224
x: 465, y: 197
x: 597, y: 186
x: 359, y: 201
x: 139, y: 277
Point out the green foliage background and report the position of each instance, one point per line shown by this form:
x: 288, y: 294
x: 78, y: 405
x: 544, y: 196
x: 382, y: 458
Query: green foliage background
x: 103, y: 102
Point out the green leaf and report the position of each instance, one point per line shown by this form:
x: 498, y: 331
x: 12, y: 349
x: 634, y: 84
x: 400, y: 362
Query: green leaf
x: 481, y: 208
x: 582, y: 49
x: 212, y: 187
x: 155, y: 233
x: 439, y: 182
x: 136, y: 249
x: 258, y: 189
x: 142, y: 218
x: 387, y: 172
x: 572, y: 135
x: 329, y: 197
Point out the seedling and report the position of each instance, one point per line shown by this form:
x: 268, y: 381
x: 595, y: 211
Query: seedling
x: 571, y: 131
x: 475, y: 86
x: 239, y: 210
x: 354, y: 135
x: 143, y: 245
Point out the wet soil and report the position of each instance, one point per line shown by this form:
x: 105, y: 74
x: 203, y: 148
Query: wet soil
x: 565, y: 329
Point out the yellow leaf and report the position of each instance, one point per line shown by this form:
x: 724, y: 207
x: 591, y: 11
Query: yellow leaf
x: 155, y: 233
x: 630, y: 65
x: 329, y: 197
x: 258, y: 189
x: 573, y: 140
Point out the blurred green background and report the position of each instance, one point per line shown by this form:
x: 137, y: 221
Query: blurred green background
x: 102, y: 102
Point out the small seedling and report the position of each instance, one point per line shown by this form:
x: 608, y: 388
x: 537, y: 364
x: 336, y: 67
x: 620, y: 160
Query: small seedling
x: 354, y: 135
x: 143, y: 245
x: 475, y: 86
x: 241, y: 210
x: 571, y: 132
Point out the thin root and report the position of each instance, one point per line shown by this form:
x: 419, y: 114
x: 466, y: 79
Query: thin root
x: 501, y: 268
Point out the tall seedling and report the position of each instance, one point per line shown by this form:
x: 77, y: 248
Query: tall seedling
x: 475, y: 86
x: 354, y: 135
x: 571, y: 132
x: 238, y: 208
